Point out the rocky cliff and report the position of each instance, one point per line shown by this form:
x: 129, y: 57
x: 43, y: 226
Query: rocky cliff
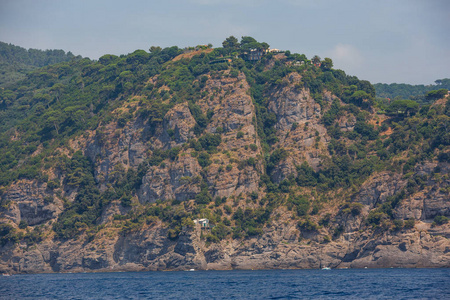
x: 269, y: 172
x: 278, y: 247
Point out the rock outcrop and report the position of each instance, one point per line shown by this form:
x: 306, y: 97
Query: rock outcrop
x: 173, y: 181
x: 278, y: 247
x: 381, y: 186
x: 31, y: 202
x: 170, y: 166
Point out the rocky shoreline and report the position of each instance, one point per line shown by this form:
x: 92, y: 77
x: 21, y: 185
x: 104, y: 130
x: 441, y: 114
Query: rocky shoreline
x: 278, y: 248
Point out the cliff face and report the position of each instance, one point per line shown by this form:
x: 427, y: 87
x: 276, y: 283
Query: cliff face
x: 31, y: 202
x: 231, y: 177
x: 298, y: 128
x: 278, y: 247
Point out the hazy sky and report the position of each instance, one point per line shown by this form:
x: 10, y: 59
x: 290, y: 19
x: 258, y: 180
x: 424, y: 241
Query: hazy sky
x: 404, y: 41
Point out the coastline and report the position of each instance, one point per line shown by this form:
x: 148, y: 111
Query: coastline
x: 406, y: 249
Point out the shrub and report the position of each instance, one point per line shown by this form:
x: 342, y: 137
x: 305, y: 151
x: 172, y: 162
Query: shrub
x: 439, y: 220
x: 294, y: 126
x: 234, y: 73
x: 308, y: 225
x: 210, y: 141
x: 23, y: 224
x: 126, y: 201
x: 121, y: 122
x: 353, y: 208
x: 210, y: 238
x: 52, y: 184
x: 118, y: 217
x: 338, y: 231
x: 173, y: 152
x: 375, y: 218
x: 278, y: 155
x: 228, y: 209
x: 218, y: 201
x: 252, y: 231
x: 251, y: 161
x: 408, y: 224
x: 221, y: 231
x: 48, y: 199
x: 203, y: 159
x: 301, y: 204
x: 187, y: 222
x: 398, y: 224
x: 325, y: 220
x: 172, y: 234
x: 254, y: 195
x: 7, y: 234
x: 204, y: 197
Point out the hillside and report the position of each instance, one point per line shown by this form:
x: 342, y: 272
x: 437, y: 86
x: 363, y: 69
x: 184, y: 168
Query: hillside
x: 107, y: 164
x: 16, y: 62
x: 408, y: 91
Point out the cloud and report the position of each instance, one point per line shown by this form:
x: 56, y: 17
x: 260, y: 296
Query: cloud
x: 346, y: 57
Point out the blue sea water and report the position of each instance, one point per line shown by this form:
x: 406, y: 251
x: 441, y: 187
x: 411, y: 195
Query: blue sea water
x: 263, y: 284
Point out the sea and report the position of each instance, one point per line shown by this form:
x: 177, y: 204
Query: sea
x: 261, y: 284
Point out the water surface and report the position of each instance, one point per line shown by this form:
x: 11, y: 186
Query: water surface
x: 265, y: 284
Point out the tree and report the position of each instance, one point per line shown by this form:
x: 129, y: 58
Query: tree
x: 247, y: 43
x: 367, y: 87
x: 315, y: 60
x: 435, y: 95
x: 231, y: 44
x: 187, y: 222
x: 264, y: 46
x: 138, y: 57
x: 247, y: 40
x: 57, y: 89
x: 358, y: 97
x: 108, y: 59
x: 155, y: 49
x: 221, y: 231
x: 53, y: 118
x: 44, y: 98
x: 443, y: 82
x: 327, y: 64
x: 403, y: 108
x: 366, y: 130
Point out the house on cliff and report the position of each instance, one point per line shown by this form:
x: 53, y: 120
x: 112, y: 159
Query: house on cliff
x: 255, y: 54
x: 204, y: 223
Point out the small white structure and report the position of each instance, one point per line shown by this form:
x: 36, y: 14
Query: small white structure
x: 204, y: 223
x: 298, y: 63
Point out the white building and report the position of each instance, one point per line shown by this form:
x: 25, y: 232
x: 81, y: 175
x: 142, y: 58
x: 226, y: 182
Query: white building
x: 204, y: 223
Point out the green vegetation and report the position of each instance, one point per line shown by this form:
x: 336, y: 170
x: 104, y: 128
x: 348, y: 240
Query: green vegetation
x: 67, y: 97
x: 440, y: 220
x: 16, y: 62
x: 61, y: 101
x: 7, y: 234
x: 418, y: 93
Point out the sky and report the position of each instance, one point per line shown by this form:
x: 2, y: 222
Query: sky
x: 402, y: 41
